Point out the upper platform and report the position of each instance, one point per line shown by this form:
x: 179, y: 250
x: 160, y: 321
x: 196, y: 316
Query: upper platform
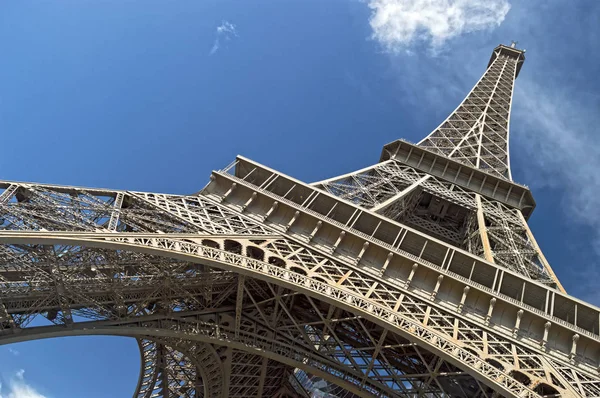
x: 463, y: 175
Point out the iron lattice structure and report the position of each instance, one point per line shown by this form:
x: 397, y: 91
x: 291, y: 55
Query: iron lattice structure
x: 417, y: 276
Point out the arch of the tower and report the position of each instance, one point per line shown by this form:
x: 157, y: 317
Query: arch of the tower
x: 176, y: 352
x: 318, y: 325
x: 188, y: 375
x: 183, y: 367
x: 169, y: 369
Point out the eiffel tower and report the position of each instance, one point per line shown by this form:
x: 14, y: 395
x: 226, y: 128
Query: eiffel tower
x: 417, y: 276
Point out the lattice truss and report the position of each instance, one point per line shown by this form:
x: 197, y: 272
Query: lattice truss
x: 168, y: 372
x: 225, y: 302
x: 208, y: 331
x: 444, y: 210
x: 249, y: 375
x: 476, y: 133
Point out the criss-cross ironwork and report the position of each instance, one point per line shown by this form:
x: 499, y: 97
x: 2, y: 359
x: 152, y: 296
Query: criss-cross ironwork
x: 417, y: 276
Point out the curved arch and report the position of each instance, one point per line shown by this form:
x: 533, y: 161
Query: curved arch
x: 327, y: 370
x: 274, y: 260
x: 210, y: 243
x: 276, y: 274
x: 148, y: 368
x: 494, y: 363
x: 255, y: 252
x: 233, y: 246
x: 299, y: 270
x: 546, y: 390
x: 167, y: 368
x: 520, y: 377
x: 202, y: 356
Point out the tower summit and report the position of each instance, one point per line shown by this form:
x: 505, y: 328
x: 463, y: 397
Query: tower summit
x: 455, y: 184
x: 416, y: 276
x: 477, y: 132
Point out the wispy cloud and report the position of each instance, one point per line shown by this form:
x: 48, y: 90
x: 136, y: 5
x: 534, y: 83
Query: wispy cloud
x: 13, y: 351
x: 398, y: 23
x: 558, y: 134
x: 18, y: 388
x: 554, y: 126
x: 225, y: 32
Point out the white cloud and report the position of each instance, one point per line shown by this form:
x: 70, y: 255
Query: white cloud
x: 398, y: 23
x: 13, y: 351
x: 18, y: 388
x: 558, y: 133
x: 226, y: 31
x: 554, y: 126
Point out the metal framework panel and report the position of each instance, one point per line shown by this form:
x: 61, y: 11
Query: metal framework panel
x: 417, y: 276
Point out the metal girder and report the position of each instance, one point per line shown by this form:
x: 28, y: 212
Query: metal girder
x: 412, y: 277
x: 341, y: 227
x: 403, y: 206
x: 410, y: 308
x: 476, y: 133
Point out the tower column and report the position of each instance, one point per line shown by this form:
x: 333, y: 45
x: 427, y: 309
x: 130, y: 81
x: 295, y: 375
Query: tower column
x: 487, y: 249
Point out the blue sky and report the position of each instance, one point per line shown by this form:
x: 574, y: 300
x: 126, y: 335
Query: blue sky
x: 153, y: 95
